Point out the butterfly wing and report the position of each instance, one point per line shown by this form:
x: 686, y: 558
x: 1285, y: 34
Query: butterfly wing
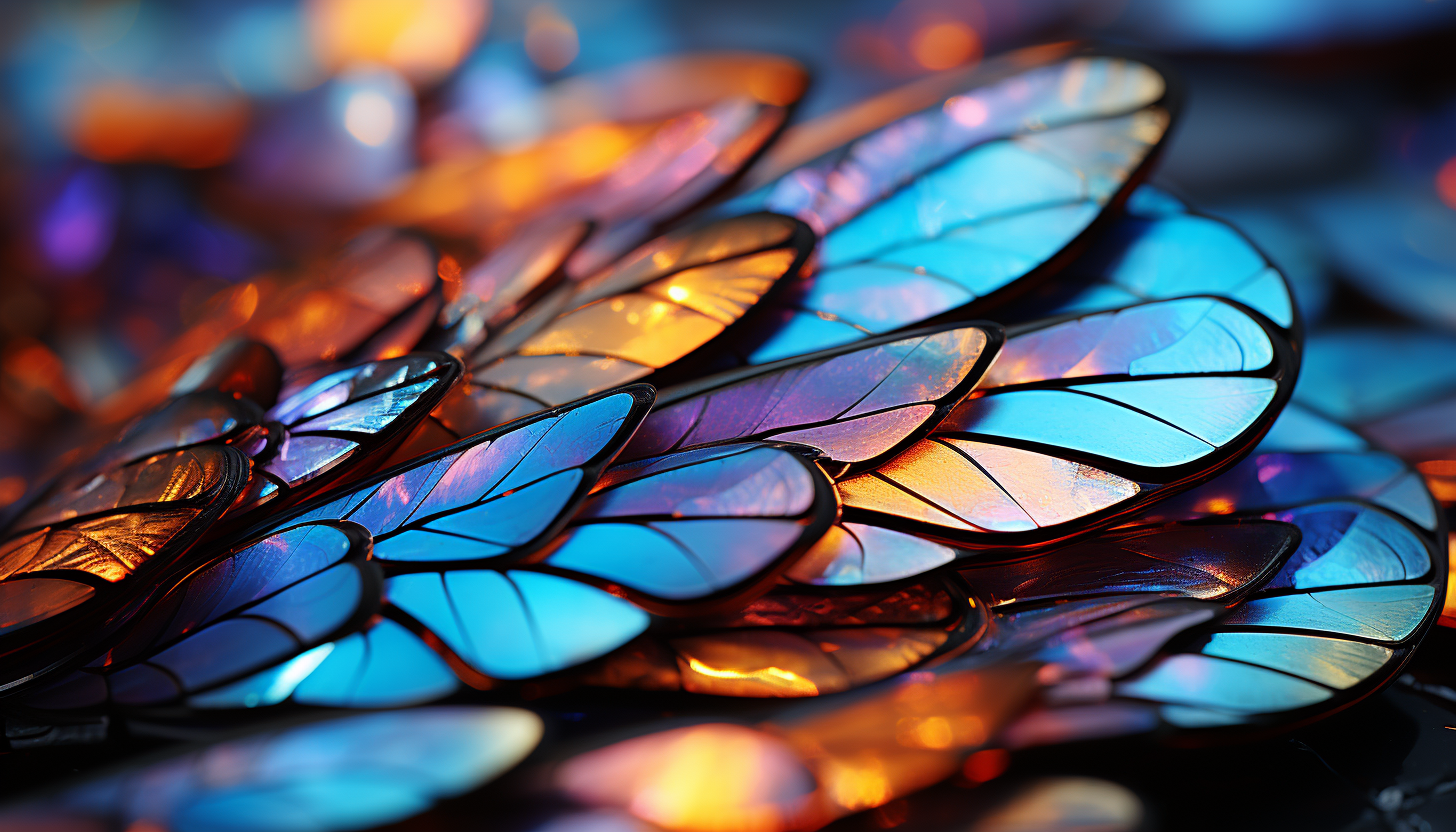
x: 266, y: 600
x: 1084, y: 420
x: 856, y: 405
x: 344, y: 772
x: 1158, y: 250
x: 339, y: 424
x: 944, y: 210
x: 633, y: 321
x: 72, y: 564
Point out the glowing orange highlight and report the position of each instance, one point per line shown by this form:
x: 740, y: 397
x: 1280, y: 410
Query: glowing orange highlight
x: 945, y: 45
x: 1446, y: 182
x: 775, y: 676
x: 1448, y: 610
x: 700, y: 779
x: 424, y: 39
x: 191, y: 127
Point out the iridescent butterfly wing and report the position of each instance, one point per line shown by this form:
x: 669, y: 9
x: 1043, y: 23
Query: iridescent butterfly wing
x: 1085, y: 420
x: 681, y: 534
x: 950, y: 209
x: 838, y: 633
x: 344, y: 423
x: 639, y: 319
x: 1160, y: 249
x: 1395, y: 386
x: 267, y: 600
x: 455, y: 521
x: 856, y: 405
x: 329, y: 775
x: 74, y: 562
x: 1333, y: 621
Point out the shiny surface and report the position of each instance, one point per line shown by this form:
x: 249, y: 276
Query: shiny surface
x: 278, y: 597
x: 627, y: 147
x: 337, y: 420
x: 650, y: 309
x: 704, y: 777
x: 773, y: 663
x: 1335, y: 617
x: 854, y: 407
x: 851, y: 554
x: 492, y: 496
x: 1163, y: 250
x: 1347, y: 543
x: 939, y: 208
x: 1205, y: 562
x: 1178, y: 336
x: 495, y: 497
x: 515, y: 625
x: 1270, y: 481
x: 694, y: 523
x: 344, y: 773
x: 382, y: 666
x: 176, y: 477
x: 975, y: 474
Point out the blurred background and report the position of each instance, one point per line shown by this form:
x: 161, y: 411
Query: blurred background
x: 156, y: 159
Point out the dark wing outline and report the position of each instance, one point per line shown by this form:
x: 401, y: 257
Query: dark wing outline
x: 47, y: 647
x: 995, y: 338
x: 357, y: 557
x: 641, y: 394
x: 1165, y: 482
x: 822, y: 512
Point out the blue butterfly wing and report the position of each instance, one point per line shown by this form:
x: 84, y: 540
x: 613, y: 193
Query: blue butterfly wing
x: 1158, y: 251
x: 940, y: 209
x: 346, y: 772
x: 267, y: 600
x: 344, y: 421
x: 1091, y: 417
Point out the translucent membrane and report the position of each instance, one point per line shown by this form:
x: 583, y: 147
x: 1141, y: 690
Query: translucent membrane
x: 854, y: 407
x: 935, y: 210
x: 652, y: 308
x: 343, y: 773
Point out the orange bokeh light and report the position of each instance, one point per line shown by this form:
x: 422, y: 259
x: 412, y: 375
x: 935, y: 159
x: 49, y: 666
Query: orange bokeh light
x: 945, y: 44
x: 1446, y: 182
x: 118, y: 121
x: 424, y: 39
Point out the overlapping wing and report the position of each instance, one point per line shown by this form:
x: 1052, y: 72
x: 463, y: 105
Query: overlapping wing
x: 266, y: 601
x: 1085, y: 420
x: 857, y: 405
x: 72, y: 563
x: 334, y: 774
x: 940, y: 209
x: 656, y: 306
x: 1159, y: 250
x: 342, y: 422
